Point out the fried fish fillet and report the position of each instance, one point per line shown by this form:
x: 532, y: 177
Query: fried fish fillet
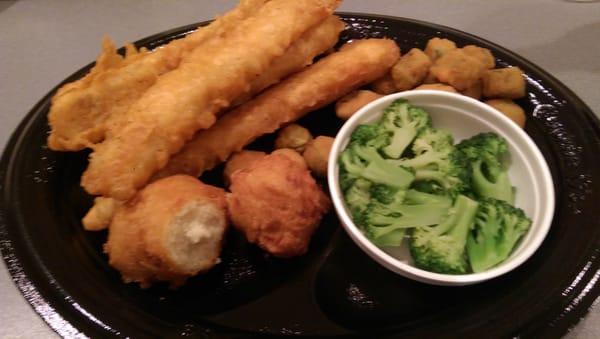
x: 356, y: 64
x: 301, y: 54
x: 312, y: 43
x: 80, y: 110
x: 172, y: 230
x: 188, y: 98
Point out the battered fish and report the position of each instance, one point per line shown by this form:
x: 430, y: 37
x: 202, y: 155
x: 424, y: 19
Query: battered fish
x: 172, y: 230
x: 356, y: 64
x: 277, y: 204
x: 79, y: 112
x: 188, y: 98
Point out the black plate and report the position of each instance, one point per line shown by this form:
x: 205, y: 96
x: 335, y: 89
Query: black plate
x: 335, y: 289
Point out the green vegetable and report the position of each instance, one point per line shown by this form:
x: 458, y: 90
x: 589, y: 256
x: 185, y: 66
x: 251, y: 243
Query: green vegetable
x: 489, y: 176
x: 441, y: 248
x: 400, y: 177
x: 437, y: 163
x: 498, y: 228
x: 386, y: 219
x: 403, y: 122
x: 366, y: 162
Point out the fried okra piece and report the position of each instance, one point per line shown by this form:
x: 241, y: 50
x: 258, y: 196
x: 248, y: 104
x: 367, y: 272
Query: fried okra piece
x: 384, y: 85
x: 411, y: 69
x: 293, y: 136
x: 436, y: 47
x: 510, y: 109
x: 484, y: 55
x: 507, y: 83
x: 438, y: 87
x: 316, y: 155
x: 458, y: 69
x: 352, y: 102
x: 430, y: 79
x: 474, y: 91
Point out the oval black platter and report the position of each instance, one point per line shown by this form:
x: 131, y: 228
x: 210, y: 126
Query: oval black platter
x: 334, y: 290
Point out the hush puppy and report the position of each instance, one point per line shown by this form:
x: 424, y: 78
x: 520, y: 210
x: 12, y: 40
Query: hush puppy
x: 277, y: 204
x: 240, y: 160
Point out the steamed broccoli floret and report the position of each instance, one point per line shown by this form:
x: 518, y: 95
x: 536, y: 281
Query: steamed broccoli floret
x: 489, y: 176
x: 390, y: 213
x: 441, y: 248
x: 365, y: 162
x: 438, y: 166
x: 403, y: 121
x: 357, y: 199
x: 498, y: 227
x: 370, y: 134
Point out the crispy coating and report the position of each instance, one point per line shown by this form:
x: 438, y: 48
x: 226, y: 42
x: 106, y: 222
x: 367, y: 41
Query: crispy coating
x: 474, y: 91
x: 510, y: 109
x: 411, y: 69
x: 292, y: 155
x: 437, y: 47
x: 352, y: 102
x: 293, y: 136
x: 80, y: 111
x: 458, y: 69
x: 356, y: 64
x: 277, y: 205
x: 301, y: 54
x: 188, y: 98
x: 171, y: 230
x: 507, y: 83
x: 384, y: 85
x: 438, y: 87
x: 101, y: 214
x: 316, y: 155
x: 239, y: 161
x: 484, y: 55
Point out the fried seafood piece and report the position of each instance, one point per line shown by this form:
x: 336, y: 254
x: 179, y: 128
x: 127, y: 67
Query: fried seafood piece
x: 354, y: 101
x: 277, y: 205
x: 188, y: 98
x: 81, y: 110
x: 171, y: 230
x: 240, y: 160
x: 101, y: 214
x: 353, y: 66
x: 301, y: 54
